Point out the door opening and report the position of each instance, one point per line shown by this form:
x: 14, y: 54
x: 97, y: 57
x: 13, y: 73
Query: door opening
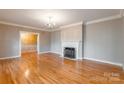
x: 29, y: 42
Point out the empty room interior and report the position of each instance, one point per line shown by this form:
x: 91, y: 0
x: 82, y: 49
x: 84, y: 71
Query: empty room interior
x: 61, y: 46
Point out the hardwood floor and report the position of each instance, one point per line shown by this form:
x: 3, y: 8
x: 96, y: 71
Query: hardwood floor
x: 50, y: 68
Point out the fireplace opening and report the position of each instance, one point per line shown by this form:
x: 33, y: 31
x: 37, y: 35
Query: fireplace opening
x: 69, y: 52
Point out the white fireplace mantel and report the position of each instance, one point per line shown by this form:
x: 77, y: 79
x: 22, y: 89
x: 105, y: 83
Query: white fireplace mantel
x: 74, y: 44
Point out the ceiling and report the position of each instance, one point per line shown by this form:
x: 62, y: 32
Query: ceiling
x: 39, y: 17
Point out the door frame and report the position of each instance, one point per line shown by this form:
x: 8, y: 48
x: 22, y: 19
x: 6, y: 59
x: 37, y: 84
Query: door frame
x: 38, y: 41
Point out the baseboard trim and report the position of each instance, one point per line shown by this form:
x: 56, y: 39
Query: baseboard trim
x: 69, y: 58
x: 104, y: 61
x: 49, y: 52
x: 44, y: 52
x: 3, y: 58
x: 29, y: 52
x: 80, y: 58
x: 55, y: 52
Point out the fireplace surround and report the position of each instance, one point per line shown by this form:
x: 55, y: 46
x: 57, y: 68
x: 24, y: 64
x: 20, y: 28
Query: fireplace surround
x: 74, y: 46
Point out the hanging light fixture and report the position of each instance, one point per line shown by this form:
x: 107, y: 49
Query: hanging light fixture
x: 51, y: 23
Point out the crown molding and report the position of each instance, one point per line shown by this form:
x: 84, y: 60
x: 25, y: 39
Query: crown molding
x: 104, y: 19
x: 70, y: 25
x: 24, y: 26
x: 67, y: 26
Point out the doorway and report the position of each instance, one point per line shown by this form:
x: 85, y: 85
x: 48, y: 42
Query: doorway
x: 29, y: 42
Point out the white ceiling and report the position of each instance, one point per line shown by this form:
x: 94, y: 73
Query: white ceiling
x: 39, y: 17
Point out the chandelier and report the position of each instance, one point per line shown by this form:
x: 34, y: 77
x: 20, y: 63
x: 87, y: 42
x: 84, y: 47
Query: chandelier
x: 51, y: 23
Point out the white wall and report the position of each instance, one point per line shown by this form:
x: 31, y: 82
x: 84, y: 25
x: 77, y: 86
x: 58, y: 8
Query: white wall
x: 122, y: 40
x: 103, y: 41
x: 9, y: 41
x: 45, y: 41
x: 56, y: 42
x: 72, y: 34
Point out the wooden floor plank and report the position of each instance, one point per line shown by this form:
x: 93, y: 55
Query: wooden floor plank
x: 50, y: 68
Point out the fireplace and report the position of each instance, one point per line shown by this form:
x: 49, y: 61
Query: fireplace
x: 69, y: 52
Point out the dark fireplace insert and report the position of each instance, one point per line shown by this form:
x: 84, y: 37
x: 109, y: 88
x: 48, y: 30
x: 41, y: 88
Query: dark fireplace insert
x: 69, y: 52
